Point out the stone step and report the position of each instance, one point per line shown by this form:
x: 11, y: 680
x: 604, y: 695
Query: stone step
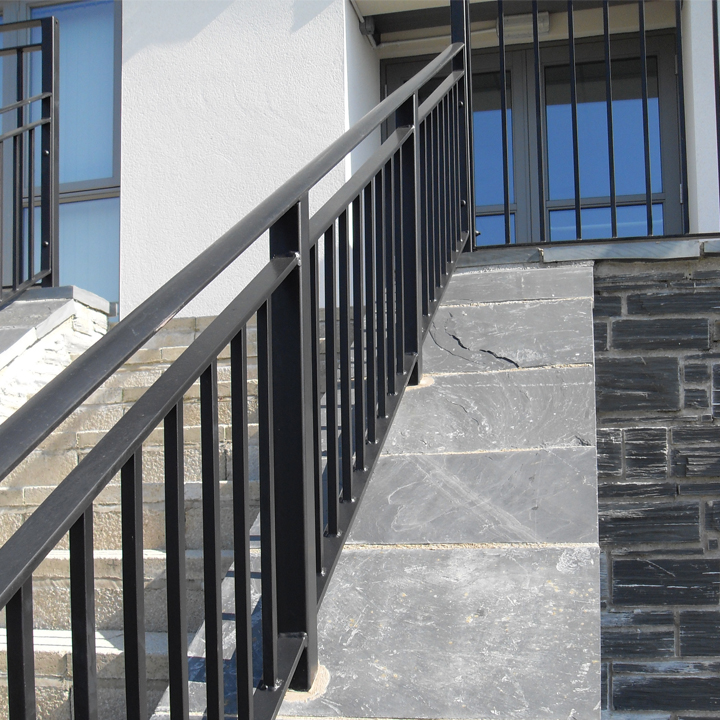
x: 51, y: 590
x: 53, y: 672
x: 107, y: 513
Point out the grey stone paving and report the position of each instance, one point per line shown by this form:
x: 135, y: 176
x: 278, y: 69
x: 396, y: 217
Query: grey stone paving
x: 535, y: 496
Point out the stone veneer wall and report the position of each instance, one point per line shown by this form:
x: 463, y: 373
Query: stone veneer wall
x: 657, y: 341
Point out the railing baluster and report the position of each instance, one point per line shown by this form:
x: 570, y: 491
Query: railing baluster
x: 424, y: 239
x: 646, y: 114
x: 31, y: 204
x: 331, y: 413
x: 19, y: 175
x: 346, y: 437
x: 267, y: 495
x: 503, y: 121
x: 133, y: 586
x: 175, y: 563
x: 432, y: 205
x: 441, y: 267
x: 681, y: 115
x: 380, y: 293
x: 21, y: 654
x: 608, y: 103
x: 370, y: 240
x: 573, y: 109
x: 399, y: 273
x: 316, y: 399
x: 389, y: 215
x: 82, y: 617
x: 539, y: 124
x: 359, y: 332
x: 212, y: 543
x: 241, y: 525
x: 293, y: 457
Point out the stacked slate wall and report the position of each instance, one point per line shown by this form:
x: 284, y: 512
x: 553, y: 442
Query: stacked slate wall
x: 657, y: 341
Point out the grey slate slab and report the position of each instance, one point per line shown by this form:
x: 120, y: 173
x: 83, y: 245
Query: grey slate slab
x: 521, y: 496
x: 506, y: 335
x: 497, y: 411
x: 472, y: 286
x: 463, y: 633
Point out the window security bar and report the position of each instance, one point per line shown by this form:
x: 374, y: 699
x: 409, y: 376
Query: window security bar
x: 541, y: 203
x: 387, y: 242
x: 28, y: 254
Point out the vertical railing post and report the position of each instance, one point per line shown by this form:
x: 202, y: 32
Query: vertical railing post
x: 460, y: 32
x: 407, y: 115
x: 49, y: 165
x: 293, y: 451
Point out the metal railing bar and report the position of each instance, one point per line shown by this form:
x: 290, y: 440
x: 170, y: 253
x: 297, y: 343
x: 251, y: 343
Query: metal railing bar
x: 133, y: 585
x: 176, y: 574
x: 38, y: 417
x: 438, y: 94
x: 290, y: 648
x: 331, y: 413
x: 716, y: 58
x: 346, y: 432
x: 398, y: 260
x: 31, y: 203
x: 573, y: 107
x: 21, y: 654
x: 646, y: 116
x: 539, y: 124
x: 9, y: 296
x: 370, y: 240
x: 389, y: 245
x: 423, y: 229
x: 241, y: 524
x: 503, y: 120
x: 266, y: 441
x: 25, y: 128
x: 332, y: 209
x: 681, y: 115
x: 82, y: 615
x: 24, y: 551
x: 25, y: 101
x: 30, y: 47
x: 608, y: 102
x: 380, y: 294
x: 358, y: 272
x: 623, y: 201
x: 316, y: 405
x: 212, y: 543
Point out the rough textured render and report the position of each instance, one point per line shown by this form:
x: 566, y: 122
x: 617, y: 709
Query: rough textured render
x: 40, y: 334
x: 469, y: 587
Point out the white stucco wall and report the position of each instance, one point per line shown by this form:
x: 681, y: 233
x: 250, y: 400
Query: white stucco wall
x: 362, y: 84
x: 700, y: 116
x: 222, y: 101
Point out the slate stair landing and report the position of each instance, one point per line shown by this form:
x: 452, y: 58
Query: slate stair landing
x: 469, y: 587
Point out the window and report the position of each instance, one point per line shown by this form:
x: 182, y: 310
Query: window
x: 89, y: 149
x: 557, y: 145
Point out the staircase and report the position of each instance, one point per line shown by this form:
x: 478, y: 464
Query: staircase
x: 37, y: 476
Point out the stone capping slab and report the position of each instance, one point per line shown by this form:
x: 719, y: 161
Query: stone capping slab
x: 648, y: 250
x: 68, y: 292
x: 38, y: 312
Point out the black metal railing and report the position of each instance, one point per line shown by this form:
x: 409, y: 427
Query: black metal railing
x: 538, y: 199
x: 387, y: 243
x: 28, y: 165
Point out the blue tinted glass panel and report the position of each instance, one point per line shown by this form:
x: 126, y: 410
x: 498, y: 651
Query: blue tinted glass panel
x: 90, y: 246
x: 487, y: 127
x: 632, y: 220
x: 492, y: 229
x: 86, y: 87
x: 593, y: 132
x: 597, y: 222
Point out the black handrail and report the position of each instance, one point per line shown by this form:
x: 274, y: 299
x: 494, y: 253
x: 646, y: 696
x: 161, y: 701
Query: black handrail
x: 33, y: 422
x: 390, y: 238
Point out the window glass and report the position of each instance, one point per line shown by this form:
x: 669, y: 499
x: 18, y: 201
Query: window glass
x: 487, y: 128
x: 492, y: 229
x: 86, y: 88
x: 89, y: 246
x: 628, y: 135
x: 596, y: 222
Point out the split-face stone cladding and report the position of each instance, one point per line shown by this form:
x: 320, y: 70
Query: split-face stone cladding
x: 657, y: 343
